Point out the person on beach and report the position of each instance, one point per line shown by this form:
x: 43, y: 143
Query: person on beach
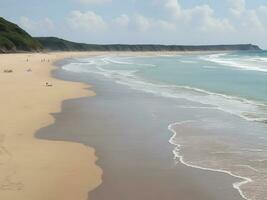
x: 48, y: 85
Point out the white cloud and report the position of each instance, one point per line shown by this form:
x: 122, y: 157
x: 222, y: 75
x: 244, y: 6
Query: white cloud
x: 251, y: 21
x: 94, y: 1
x: 247, y: 19
x: 174, y: 8
x: 263, y: 9
x: 26, y: 23
x: 48, y: 23
x: 122, y: 21
x: 237, y: 7
x: 165, y: 25
x: 143, y: 24
x: 34, y: 26
x: 200, y: 17
x: 88, y: 21
x: 198, y: 24
x: 262, y: 13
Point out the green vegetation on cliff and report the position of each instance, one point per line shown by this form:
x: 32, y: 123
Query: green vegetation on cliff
x: 57, y: 44
x: 15, y: 39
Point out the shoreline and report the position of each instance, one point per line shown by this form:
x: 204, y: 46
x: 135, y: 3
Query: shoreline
x: 76, y: 90
x: 177, y: 155
x: 114, y: 166
x: 33, y: 168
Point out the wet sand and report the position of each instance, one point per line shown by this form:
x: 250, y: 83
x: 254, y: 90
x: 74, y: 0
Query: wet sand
x: 129, y: 131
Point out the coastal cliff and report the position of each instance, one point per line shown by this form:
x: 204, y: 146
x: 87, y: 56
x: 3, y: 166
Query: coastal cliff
x: 57, y: 44
x: 15, y: 39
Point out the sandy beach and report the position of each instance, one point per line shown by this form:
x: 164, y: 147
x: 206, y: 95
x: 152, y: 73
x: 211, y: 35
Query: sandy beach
x: 33, y: 169
x: 133, y: 100
x: 40, y: 169
x: 61, y: 140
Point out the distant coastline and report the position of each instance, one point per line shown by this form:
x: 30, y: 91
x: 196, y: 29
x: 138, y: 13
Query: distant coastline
x: 57, y: 44
x: 14, y: 39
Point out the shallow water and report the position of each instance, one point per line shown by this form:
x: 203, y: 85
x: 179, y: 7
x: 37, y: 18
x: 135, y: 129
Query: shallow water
x: 214, y: 104
x: 206, y: 78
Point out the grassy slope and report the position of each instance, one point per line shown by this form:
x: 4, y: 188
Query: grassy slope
x: 13, y: 38
x: 57, y: 44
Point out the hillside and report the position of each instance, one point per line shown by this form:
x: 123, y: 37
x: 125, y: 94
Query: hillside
x: 15, y: 39
x: 57, y: 44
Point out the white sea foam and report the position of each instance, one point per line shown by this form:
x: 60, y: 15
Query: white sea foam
x: 244, y: 63
x: 253, y: 150
x: 196, y: 107
x: 249, y: 110
x: 166, y: 55
x: 249, y: 167
x: 110, y: 73
x: 259, y: 160
x: 110, y: 60
x: 246, y: 109
x: 177, y: 155
x: 188, y: 61
x: 116, y: 61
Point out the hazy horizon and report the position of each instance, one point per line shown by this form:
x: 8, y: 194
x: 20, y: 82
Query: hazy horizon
x: 167, y: 22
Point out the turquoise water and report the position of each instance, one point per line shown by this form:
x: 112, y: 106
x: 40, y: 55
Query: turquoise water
x: 234, y: 82
x: 208, y: 73
x: 224, y: 96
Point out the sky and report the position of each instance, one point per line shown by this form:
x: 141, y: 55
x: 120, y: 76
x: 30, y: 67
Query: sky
x: 181, y: 22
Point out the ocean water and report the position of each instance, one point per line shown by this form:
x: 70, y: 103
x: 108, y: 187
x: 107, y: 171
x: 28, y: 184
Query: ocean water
x: 227, y: 94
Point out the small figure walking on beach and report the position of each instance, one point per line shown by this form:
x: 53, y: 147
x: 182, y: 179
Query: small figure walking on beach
x: 48, y: 85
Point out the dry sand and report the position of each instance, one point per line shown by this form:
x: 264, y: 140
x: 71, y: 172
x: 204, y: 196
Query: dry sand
x: 33, y: 169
